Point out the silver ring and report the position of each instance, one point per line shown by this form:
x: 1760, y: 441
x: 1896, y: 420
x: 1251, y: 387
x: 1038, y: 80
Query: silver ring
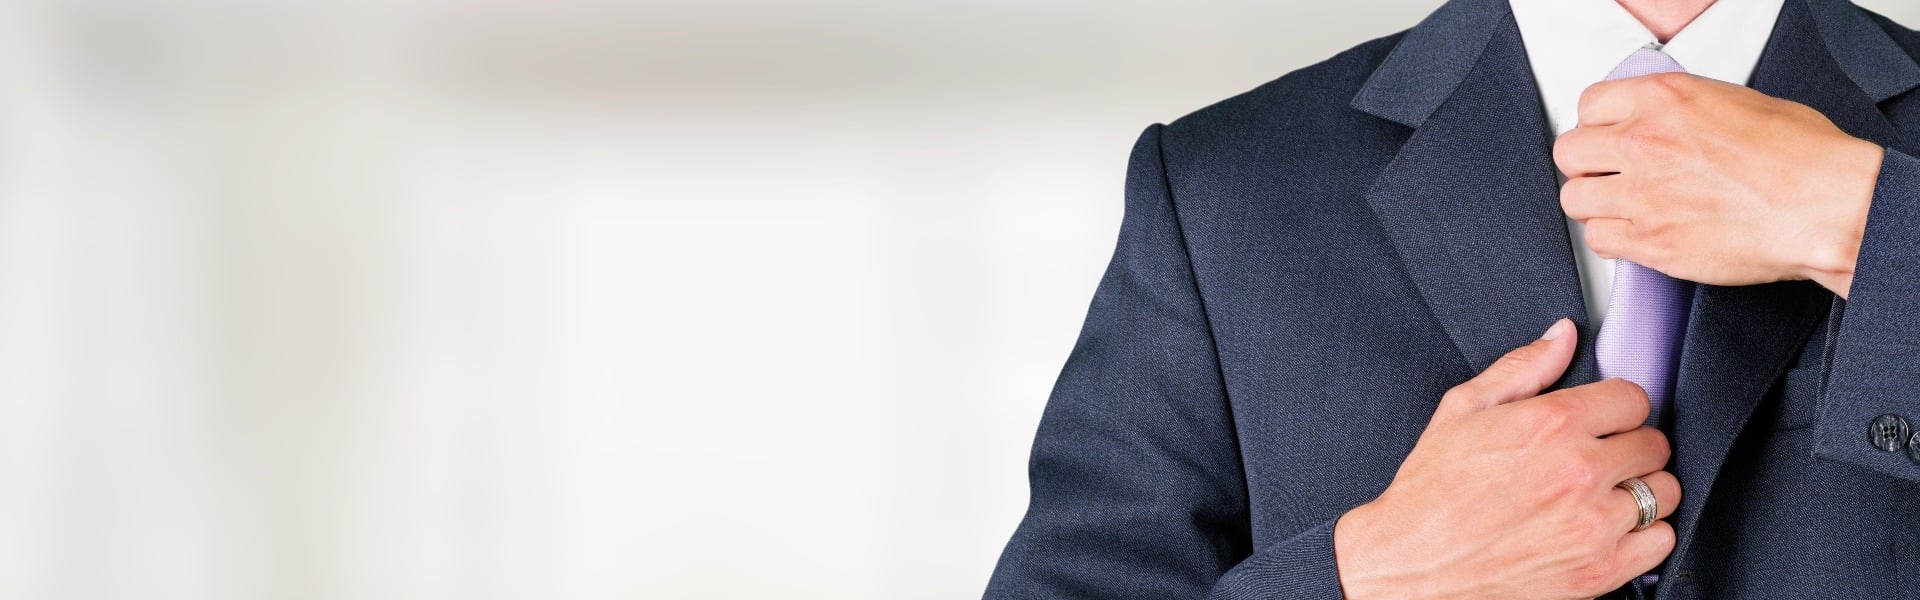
x: 1642, y: 496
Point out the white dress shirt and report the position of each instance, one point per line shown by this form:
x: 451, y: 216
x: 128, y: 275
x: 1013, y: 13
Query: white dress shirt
x: 1572, y: 44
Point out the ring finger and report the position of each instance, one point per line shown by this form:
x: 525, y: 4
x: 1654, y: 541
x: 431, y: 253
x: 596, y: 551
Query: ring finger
x: 1666, y: 496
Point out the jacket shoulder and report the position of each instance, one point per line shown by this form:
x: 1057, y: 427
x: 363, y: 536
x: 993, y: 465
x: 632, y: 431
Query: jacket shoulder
x: 1315, y: 98
x: 1292, y: 144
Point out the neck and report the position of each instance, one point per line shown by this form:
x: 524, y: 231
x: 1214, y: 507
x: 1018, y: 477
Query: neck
x: 1665, y: 18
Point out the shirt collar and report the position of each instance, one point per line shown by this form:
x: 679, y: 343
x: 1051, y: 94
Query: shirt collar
x: 1572, y: 44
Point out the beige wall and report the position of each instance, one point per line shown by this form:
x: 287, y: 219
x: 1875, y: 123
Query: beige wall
x: 429, y: 299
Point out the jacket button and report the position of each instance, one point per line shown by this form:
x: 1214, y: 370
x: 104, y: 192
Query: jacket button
x: 1913, y: 448
x: 1889, y: 432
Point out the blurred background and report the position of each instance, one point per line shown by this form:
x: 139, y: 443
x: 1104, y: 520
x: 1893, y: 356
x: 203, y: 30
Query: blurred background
x: 571, y: 299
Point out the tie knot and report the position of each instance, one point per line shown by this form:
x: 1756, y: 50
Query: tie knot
x: 1645, y: 61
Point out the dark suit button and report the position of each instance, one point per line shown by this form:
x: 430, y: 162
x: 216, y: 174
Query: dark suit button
x: 1889, y: 432
x: 1913, y: 447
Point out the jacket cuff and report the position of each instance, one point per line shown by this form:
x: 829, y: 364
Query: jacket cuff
x: 1875, y: 368
x: 1302, y: 567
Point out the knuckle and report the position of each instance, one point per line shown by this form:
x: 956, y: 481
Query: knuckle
x: 1509, y: 364
x: 1567, y: 147
x: 1548, y: 417
x: 1589, y: 97
x: 1671, y: 86
x: 1652, y: 226
x: 1581, y: 473
x: 1642, y: 139
x: 1658, y: 446
x: 1658, y: 455
x: 1566, y: 407
x: 1663, y: 533
x: 1519, y: 356
x: 1625, y: 390
x: 1632, y: 391
x: 1592, y: 576
x: 1575, y: 195
x: 1604, y: 389
x: 1601, y: 240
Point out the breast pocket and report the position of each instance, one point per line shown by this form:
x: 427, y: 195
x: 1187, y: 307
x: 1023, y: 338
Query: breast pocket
x: 1796, y: 399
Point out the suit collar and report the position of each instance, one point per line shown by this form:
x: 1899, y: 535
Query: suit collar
x: 1430, y: 61
x: 1869, y: 57
x: 1436, y: 55
x: 1571, y: 45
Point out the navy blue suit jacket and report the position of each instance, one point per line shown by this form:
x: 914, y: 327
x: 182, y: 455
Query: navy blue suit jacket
x: 1305, y: 268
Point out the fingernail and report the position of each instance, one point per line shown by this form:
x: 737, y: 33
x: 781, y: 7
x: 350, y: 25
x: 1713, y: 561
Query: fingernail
x: 1558, y: 329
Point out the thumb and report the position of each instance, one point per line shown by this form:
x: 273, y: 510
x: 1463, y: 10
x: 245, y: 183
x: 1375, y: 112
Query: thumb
x: 1518, y: 375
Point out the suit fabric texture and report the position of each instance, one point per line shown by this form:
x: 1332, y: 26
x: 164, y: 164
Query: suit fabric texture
x: 1305, y: 268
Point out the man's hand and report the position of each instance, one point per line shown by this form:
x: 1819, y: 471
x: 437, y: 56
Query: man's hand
x: 1716, y: 183
x: 1511, y: 495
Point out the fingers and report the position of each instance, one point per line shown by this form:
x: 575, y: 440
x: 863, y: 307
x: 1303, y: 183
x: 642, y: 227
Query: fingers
x: 1607, y: 102
x: 1610, y: 102
x: 1666, y: 491
x: 1605, y: 407
x: 1593, y: 197
x: 1666, y: 496
x: 1519, y: 374
x: 1588, y: 150
x: 1634, y: 453
x: 1642, y: 551
x: 1607, y: 236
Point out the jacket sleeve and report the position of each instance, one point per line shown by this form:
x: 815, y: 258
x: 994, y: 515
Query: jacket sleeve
x: 1875, y: 349
x: 1137, y: 485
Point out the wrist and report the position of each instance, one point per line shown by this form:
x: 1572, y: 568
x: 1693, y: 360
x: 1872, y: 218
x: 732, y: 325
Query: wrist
x: 1347, y: 553
x: 1829, y: 260
x: 1356, y: 550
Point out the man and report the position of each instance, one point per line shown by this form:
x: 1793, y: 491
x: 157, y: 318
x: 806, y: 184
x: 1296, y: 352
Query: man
x: 1299, y: 377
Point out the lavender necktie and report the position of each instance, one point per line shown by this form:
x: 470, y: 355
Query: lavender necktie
x: 1646, y: 311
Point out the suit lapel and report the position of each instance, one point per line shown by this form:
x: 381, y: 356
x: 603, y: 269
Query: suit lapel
x: 1471, y: 202
x: 1741, y: 339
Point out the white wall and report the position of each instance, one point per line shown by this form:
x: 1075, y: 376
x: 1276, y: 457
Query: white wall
x: 564, y: 299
